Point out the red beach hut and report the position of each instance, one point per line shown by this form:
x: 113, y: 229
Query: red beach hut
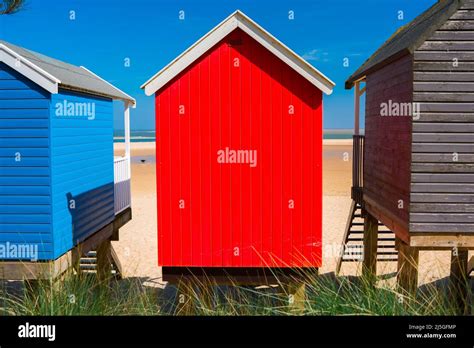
x: 239, y: 154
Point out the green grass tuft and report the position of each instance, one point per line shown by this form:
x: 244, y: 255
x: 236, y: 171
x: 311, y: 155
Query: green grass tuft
x: 75, y: 294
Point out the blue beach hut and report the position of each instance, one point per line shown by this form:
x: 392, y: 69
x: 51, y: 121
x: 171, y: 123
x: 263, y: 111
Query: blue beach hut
x: 60, y: 185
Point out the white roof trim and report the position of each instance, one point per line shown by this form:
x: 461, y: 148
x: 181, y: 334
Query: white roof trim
x: 28, y: 69
x: 238, y: 20
x: 134, y: 102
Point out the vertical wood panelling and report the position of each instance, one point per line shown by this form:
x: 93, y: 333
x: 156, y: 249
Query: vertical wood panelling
x: 236, y: 215
x: 388, y: 138
x: 215, y: 184
x: 235, y: 186
x: 225, y: 138
x: 246, y: 227
x: 205, y: 213
x: 256, y: 124
x: 286, y: 124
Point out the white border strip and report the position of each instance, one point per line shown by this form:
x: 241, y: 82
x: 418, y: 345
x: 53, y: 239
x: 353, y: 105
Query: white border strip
x: 28, y: 69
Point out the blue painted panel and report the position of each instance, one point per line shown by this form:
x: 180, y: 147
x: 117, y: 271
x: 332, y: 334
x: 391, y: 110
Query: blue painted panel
x: 24, y: 113
x: 24, y: 104
x: 30, y: 199
x: 15, y: 84
x: 24, y: 228
x: 44, y: 238
x: 25, y: 190
x: 26, y: 218
x: 31, y: 172
x: 40, y: 180
x: 24, y: 133
x: 24, y: 161
x: 25, y: 173
x: 26, y: 151
x: 6, y: 75
x: 21, y: 93
x: 25, y: 123
x: 24, y: 142
x: 82, y: 167
x: 25, y: 209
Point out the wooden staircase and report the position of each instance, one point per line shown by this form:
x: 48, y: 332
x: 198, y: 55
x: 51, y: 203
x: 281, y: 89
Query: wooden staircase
x: 353, y: 242
x: 88, y: 263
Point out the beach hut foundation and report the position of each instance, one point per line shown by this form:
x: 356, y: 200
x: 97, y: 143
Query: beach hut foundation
x: 369, y: 268
x: 407, y: 275
x: 459, y: 280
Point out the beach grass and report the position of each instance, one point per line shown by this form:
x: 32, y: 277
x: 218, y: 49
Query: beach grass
x: 77, y: 294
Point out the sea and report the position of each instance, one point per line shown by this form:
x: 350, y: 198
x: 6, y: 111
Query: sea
x: 144, y: 136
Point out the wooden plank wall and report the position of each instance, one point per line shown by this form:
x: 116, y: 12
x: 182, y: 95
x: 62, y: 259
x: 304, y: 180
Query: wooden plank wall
x: 442, y: 198
x: 239, y: 96
x: 82, y: 169
x: 388, y: 140
x: 25, y: 181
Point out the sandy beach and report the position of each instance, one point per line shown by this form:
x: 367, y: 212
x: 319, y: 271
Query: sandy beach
x: 137, y: 247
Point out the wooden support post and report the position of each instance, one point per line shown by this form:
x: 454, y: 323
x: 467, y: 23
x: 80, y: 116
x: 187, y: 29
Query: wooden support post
x: 407, y: 278
x: 369, y: 266
x: 356, y: 107
x: 104, y: 261
x: 76, y: 259
x: 296, y: 292
x: 458, y: 279
x: 184, y: 298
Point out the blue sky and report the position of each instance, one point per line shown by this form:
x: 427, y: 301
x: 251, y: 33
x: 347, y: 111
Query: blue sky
x: 149, y: 33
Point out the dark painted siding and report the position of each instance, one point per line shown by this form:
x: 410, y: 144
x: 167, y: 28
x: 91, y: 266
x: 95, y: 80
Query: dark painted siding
x: 25, y: 191
x: 82, y: 170
x: 442, y: 197
x: 388, y: 139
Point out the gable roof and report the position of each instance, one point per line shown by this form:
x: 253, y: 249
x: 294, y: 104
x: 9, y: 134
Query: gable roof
x: 238, y: 20
x: 408, y: 38
x: 51, y: 73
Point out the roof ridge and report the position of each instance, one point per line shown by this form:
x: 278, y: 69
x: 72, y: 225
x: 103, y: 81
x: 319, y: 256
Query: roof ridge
x: 68, y: 76
x: 436, y: 12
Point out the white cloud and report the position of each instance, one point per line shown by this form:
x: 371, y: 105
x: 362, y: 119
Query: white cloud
x: 314, y: 54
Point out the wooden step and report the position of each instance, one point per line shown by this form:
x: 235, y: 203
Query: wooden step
x: 362, y: 232
x: 360, y: 239
x: 354, y: 238
x: 88, y: 263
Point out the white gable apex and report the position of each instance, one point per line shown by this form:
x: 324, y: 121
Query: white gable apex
x: 238, y: 20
